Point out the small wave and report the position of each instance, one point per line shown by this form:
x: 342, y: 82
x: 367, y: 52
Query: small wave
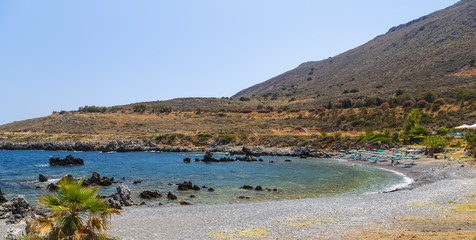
x: 403, y: 184
x: 42, y: 165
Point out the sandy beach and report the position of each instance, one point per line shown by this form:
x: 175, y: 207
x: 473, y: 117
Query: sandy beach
x: 439, y: 203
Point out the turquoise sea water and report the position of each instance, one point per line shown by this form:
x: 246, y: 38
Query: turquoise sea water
x: 301, y: 178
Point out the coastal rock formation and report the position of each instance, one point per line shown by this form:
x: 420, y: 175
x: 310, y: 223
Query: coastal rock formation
x: 147, y: 145
x: 15, y: 210
x: 187, y: 160
x: 42, y: 178
x: 67, y: 161
x: 150, y: 195
x: 248, y: 187
x: 96, y: 179
x: 2, y: 198
x: 121, y: 198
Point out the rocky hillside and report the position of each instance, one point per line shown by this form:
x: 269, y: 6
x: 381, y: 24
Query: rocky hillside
x: 434, y: 52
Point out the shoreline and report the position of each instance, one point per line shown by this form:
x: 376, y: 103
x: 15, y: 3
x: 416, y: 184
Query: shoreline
x: 429, y: 178
x: 437, y: 187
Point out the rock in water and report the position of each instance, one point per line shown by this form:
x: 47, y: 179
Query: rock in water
x: 171, y: 196
x: 67, y: 161
x: 42, y: 178
x: 150, y: 195
x: 52, y: 187
x: 2, y: 198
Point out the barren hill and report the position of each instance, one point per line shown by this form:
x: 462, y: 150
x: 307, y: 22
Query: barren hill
x: 431, y: 52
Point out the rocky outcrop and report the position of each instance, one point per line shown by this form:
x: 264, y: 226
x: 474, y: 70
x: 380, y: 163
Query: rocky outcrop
x: 67, y: 161
x: 15, y: 210
x: 96, y: 179
x: 121, y: 198
x: 148, y: 145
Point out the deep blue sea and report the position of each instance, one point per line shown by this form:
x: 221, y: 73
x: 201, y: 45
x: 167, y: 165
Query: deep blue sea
x: 301, y: 178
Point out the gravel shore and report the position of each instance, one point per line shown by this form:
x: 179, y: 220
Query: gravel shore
x: 423, y: 210
x: 438, y: 186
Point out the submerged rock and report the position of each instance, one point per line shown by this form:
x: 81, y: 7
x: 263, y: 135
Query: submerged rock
x: 248, y: 187
x: 67, y: 161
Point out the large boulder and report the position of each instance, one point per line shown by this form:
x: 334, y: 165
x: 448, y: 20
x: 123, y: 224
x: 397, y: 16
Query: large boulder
x: 67, y: 161
x: 121, y: 198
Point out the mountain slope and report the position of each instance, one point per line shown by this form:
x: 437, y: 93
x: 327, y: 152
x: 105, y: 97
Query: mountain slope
x: 423, y: 54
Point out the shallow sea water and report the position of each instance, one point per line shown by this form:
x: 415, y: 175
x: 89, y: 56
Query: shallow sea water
x: 301, y: 178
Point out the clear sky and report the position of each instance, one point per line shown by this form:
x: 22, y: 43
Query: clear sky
x: 59, y: 55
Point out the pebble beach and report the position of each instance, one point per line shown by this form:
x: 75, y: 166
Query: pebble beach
x: 438, y: 203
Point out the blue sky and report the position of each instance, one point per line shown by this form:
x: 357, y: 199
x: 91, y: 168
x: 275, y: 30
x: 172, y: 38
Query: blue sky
x: 59, y: 55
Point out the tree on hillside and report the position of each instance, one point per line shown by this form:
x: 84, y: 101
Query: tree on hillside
x: 435, y: 143
x: 76, y: 212
x: 413, y: 119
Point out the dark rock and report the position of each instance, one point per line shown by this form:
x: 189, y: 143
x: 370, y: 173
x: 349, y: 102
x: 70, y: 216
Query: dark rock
x: 52, y: 187
x: 187, y: 160
x: 197, y: 160
x: 185, y: 203
x: 42, y: 178
x: 243, y: 197
x: 211, y: 190
x: 258, y: 188
x: 2, y: 198
x: 287, y: 160
x: 187, y: 186
x: 275, y: 190
x: 137, y: 182
x: 196, y: 188
x: 142, y: 204
x: 96, y: 179
x: 67, y: 161
x: 150, y: 195
x: 191, y: 196
x: 248, y: 187
x: 171, y: 196
x: 208, y: 157
x: 271, y: 161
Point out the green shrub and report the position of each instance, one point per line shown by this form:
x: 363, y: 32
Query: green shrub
x: 140, y: 107
x: 226, y: 139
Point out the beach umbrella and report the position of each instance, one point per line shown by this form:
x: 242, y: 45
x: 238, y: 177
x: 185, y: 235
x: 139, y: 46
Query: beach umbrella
x: 472, y: 126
